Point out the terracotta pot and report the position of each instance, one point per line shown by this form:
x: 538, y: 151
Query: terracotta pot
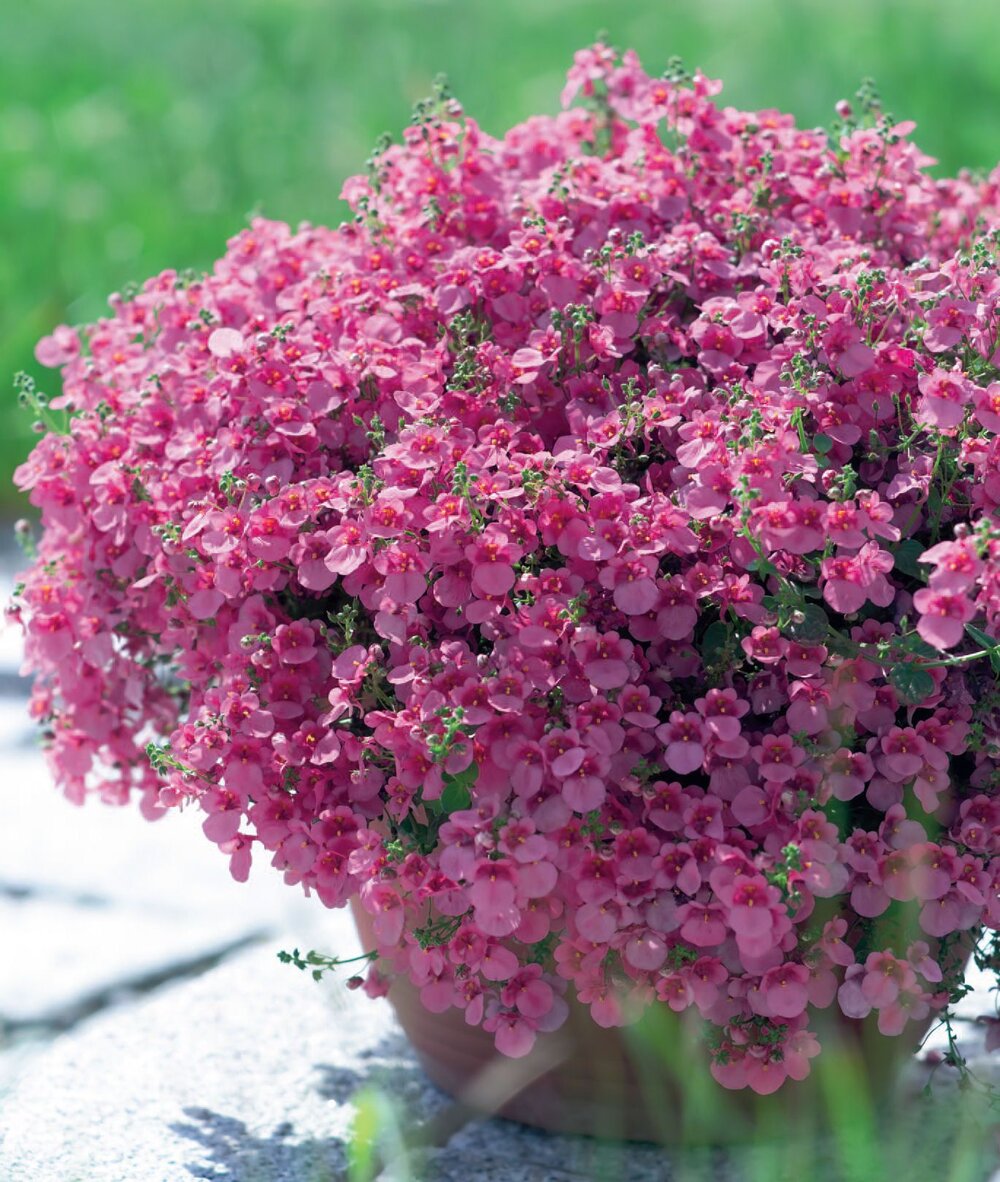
x: 649, y: 1081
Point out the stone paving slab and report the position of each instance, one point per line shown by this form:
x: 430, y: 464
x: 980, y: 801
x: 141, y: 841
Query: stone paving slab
x: 245, y: 1073
x: 97, y: 902
x: 93, y: 899
x: 86, y: 952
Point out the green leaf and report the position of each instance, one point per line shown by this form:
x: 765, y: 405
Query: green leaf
x: 465, y: 778
x: 811, y: 625
x: 979, y: 635
x: 456, y: 794
x: 714, y: 642
x: 913, y: 684
x: 361, y: 1149
x: 454, y: 798
x: 919, y: 647
x: 905, y: 556
x: 822, y: 444
x: 762, y: 566
x: 989, y: 642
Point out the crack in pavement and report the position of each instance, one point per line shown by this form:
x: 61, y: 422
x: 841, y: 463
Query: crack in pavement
x: 66, y: 1017
x: 18, y: 891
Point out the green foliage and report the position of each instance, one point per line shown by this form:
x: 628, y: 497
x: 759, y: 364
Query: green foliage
x: 905, y: 557
x: 456, y: 793
x: 809, y: 625
x: 318, y: 963
x: 135, y: 137
x: 438, y: 931
x: 992, y: 645
x: 163, y: 761
x: 378, y: 1135
x: 781, y: 875
x: 912, y: 683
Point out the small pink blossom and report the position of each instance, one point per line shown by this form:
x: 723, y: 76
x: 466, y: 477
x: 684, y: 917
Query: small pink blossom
x: 784, y: 990
x: 943, y: 616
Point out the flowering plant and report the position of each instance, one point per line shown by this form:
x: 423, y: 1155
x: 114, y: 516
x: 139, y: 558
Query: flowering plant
x: 588, y: 558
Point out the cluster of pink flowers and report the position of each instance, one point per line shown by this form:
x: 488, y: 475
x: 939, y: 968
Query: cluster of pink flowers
x: 588, y: 559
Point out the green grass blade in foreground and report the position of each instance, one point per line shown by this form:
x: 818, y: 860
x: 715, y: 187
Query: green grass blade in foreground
x: 378, y: 1139
x: 671, y: 1060
x: 850, y: 1109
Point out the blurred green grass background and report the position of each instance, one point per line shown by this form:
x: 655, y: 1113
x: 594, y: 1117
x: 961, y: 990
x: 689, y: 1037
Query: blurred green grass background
x: 136, y: 136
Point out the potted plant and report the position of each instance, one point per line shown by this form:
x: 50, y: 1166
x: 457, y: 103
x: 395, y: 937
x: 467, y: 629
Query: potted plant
x: 586, y: 561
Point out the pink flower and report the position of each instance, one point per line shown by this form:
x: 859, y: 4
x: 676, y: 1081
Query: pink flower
x: 224, y: 342
x: 605, y: 1005
x: 634, y: 589
x: 676, y: 613
x: 59, y: 348
x: 765, y: 1075
x: 847, y: 773
x: 240, y: 851
x: 852, y: 998
x: 674, y: 989
x: 639, y: 707
x: 784, y: 990
x: 295, y: 644
x: 722, y: 710
x: 749, y: 901
x: 947, y: 323
x: 528, y: 769
x: 514, y: 1034
x: 346, y: 549
x: 778, y: 757
x: 225, y: 815
x: 683, y: 738
x: 833, y: 945
x: 705, y: 979
x: 884, y: 977
x: 945, y: 396
x: 918, y: 954
x: 493, y: 894
x: 605, y: 660
x: 904, y: 752
x: 492, y: 559
x: 597, y: 921
x: 956, y: 564
x: 910, y: 1005
x: 944, y: 915
x: 403, y: 568
x: 387, y: 910
x: 350, y: 666
x: 528, y: 993
x: 933, y: 871
x: 797, y: 1051
x: 702, y: 925
x: 943, y: 616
